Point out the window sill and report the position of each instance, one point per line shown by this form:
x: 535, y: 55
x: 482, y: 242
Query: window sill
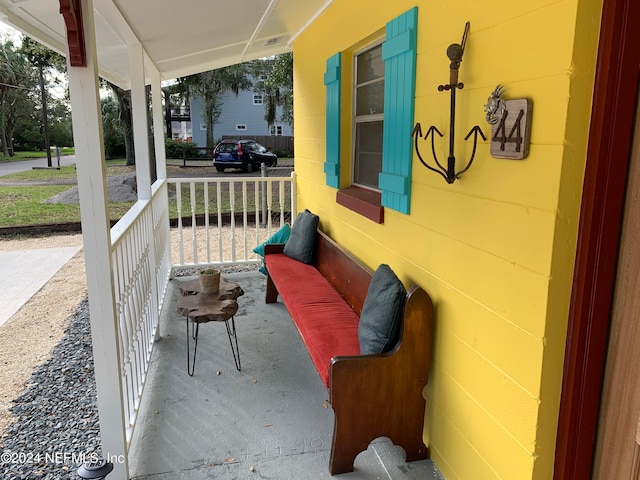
x: 362, y: 201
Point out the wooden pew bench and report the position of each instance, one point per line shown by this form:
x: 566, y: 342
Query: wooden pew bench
x: 373, y: 395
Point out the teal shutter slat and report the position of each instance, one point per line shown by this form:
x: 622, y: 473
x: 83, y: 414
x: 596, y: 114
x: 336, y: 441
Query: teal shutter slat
x: 332, y: 83
x: 399, y: 55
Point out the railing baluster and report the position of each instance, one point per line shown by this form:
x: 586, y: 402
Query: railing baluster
x: 245, y: 218
x: 281, y: 201
x: 192, y: 193
x: 256, y: 199
x: 232, y: 207
x: 219, y: 202
x: 179, y: 210
x: 206, y: 220
x: 269, y: 205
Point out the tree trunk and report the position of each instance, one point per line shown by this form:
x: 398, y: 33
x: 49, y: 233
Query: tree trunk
x: 167, y: 113
x: 3, y: 126
x: 209, y: 102
x: 45, y: 119
x: 126, y: 120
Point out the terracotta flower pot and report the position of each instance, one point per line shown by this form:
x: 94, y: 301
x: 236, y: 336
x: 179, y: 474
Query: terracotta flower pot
x: 209, y: 282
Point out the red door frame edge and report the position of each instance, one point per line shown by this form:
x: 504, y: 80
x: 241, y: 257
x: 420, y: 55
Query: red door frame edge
x: 598, y: 237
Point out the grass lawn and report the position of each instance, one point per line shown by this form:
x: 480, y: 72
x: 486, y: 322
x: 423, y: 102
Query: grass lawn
x: 17, y: 156
x: 24, y: 204
x: 38, y: 175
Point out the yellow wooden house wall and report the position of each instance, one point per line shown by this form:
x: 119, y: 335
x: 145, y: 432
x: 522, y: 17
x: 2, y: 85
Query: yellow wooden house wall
x: 495, y: 250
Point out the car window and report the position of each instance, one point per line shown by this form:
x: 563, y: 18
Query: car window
x: 251, y: 146
x: 226, y: 147
x: 260, y: 148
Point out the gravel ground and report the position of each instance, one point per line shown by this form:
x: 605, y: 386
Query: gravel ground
x: 56, y: 418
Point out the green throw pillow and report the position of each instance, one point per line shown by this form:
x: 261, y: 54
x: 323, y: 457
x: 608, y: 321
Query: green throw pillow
x: 281, y: 236
x: 381, y: 317
x: 302, y: 242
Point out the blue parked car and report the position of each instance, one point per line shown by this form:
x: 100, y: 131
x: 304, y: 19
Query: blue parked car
x: 244, y: 154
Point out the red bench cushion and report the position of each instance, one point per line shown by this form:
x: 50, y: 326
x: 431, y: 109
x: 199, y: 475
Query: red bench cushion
x: 326, y: 323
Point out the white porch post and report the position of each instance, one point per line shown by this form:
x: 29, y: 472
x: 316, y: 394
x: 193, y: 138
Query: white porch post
x: 87, y: 130
x: 158, y: 123
x: 139, y: 114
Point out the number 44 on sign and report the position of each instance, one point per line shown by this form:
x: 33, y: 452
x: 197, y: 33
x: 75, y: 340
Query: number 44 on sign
x: 510, y: 134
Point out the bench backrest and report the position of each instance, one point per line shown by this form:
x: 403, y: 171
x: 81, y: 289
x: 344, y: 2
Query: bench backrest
x: 343, y: 271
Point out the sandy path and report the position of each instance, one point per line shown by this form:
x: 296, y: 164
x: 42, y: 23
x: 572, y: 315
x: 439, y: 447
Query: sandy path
x: 28, y: 337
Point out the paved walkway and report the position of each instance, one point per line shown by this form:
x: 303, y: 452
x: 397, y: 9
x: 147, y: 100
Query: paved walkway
x: 24, y: 272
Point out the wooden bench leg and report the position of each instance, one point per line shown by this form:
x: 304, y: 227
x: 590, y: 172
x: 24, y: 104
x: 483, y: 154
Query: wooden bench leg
x: 272, y: 291
x: 344, y: 450
x: 354, y: 430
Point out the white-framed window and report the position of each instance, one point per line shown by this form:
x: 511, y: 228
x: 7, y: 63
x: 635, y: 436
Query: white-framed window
x: 241, y: 127
x: 368, y: 116
x: 203, y: 127
x: 262, y: 77
x: 257, y: 99
x: 276, y: 130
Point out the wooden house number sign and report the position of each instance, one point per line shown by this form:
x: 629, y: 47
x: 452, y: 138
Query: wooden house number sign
x: 510, y: 136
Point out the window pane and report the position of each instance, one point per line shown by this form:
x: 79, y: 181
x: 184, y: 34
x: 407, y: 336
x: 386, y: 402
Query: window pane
x: 370, y: 65
x: 370, y: 98
x: 368, y: 161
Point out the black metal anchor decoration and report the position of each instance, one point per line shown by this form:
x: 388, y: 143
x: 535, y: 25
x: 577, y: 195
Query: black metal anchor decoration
x: 454, y: 52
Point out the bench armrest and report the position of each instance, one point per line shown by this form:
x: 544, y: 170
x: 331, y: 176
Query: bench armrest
x: 270, y: 248
x: 385, y: 387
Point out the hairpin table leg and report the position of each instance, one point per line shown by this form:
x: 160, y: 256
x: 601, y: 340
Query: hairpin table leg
x: 231, y: 332
x: 192, y: 368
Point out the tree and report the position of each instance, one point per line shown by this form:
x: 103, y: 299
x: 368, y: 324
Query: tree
x: 276, y: 86
x: 14, y: 84
x: 114, y: 145
x: 126, y: 120
x: 210, y: 86
x: 44, y: 60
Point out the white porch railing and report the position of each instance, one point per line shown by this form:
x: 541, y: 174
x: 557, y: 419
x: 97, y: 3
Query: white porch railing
x: 227, y: 217
x: 222, y: 219
x: 140, y: 257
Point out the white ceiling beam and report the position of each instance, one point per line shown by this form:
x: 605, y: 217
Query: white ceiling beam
x: 35, y: 29
x: 259, y: 27
x: 110, y: 14
x: 308, y: 22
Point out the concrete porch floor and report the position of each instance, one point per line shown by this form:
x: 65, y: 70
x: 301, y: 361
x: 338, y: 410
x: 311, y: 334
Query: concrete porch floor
x: 271, y: 420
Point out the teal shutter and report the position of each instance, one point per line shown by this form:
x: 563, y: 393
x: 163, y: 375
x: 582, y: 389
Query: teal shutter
x: 399, y: 55
x: 332, y: 82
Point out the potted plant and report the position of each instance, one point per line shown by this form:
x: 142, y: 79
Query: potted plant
x: 209, y: 281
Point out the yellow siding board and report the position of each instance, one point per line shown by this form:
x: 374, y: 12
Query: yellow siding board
x: 502, y: 399
x: 457, y: 441
x: 502, y: 229
x: 496, y: 339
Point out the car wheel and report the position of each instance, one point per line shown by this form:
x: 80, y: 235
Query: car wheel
x: 249, y: 167
x: 220, y: 169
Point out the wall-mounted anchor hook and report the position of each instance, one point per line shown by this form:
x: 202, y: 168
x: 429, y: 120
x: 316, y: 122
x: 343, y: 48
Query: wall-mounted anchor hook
x: 454, y: 53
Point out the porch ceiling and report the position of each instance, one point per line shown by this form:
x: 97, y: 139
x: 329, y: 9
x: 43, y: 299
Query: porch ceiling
x: 179, y: 38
